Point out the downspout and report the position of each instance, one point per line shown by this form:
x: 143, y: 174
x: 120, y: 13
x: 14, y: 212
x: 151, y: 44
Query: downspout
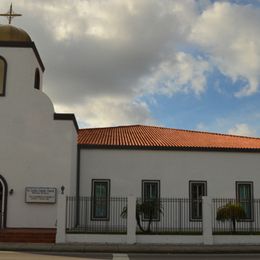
x: 78, y: 185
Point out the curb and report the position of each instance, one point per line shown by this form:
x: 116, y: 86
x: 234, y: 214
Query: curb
x: 137, y: 248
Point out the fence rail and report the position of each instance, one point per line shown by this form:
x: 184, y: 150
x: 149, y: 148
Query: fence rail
x: 178, y: 216
x: 231, y: 216
x: 168, y: 216
x: 89, y: 215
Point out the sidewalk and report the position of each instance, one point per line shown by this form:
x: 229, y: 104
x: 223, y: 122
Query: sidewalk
x: 137, y: 248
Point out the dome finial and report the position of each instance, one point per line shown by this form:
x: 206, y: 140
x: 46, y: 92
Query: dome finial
x: 10, y: 14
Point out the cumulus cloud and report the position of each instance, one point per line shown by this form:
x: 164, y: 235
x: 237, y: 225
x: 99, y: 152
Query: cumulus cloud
x: 98, y: 49
x: 109, y: 111
x: 103, y: 55
x: 230, y: 34
x: 201, y: 127
x: 183, y: 73
x: 224, y: 125
x: 242, y: 129
x: 94, y: 48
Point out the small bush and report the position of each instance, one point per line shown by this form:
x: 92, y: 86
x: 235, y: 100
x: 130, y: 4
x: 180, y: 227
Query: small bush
x: 232, y: 212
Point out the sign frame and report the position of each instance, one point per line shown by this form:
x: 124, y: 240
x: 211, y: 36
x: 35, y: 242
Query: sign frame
x: 49, y: 199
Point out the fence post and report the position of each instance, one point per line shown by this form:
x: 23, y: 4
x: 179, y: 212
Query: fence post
x: 207, y: 220
x: 131, y: 221
x: 61, y: 218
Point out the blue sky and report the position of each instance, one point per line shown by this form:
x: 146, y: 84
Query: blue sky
x: 215, y: 110
x: 190, y: 64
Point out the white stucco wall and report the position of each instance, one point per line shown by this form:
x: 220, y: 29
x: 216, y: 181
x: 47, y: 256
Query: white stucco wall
x: 127, y: 168
x: 35, y: 150
x: 141, y: 239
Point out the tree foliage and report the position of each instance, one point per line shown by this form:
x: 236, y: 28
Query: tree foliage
x: 231, y: 211
x: 151, y: 209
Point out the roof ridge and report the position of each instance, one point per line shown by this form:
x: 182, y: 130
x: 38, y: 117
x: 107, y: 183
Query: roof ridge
x: 212, y: 133
x: 169, y: 128
x: 109, y: 127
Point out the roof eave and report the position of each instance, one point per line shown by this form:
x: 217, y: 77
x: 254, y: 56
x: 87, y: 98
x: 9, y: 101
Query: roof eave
x: 168, y: 148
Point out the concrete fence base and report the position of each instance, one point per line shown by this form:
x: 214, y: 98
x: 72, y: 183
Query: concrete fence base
x: 207, y: 237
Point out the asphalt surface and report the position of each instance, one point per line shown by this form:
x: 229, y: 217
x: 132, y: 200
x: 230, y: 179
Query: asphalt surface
x: 131, y: 249
x: 9, y: 255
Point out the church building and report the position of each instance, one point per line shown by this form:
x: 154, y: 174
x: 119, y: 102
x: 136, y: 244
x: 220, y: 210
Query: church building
x: 38, y: 151
x: 44, y: 154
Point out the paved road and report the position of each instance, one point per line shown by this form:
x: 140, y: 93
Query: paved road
x: 195, y: 257
x: 5, y: 255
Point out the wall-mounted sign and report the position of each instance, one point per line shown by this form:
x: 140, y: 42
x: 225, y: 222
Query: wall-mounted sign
x: 40, y: 195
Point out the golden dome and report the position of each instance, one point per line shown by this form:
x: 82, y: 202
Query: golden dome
x: 9, y: 33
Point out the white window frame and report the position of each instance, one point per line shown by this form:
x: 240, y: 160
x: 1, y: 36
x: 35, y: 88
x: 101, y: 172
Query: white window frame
x: 2, y: 92
x: 93, y: 202
x: 157, y: 182
x: 251, y: 185
x: 199, y: 202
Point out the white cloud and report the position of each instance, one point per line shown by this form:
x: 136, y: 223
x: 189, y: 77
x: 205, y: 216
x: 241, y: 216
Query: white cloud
x: 242, y: 129
x: 99, y: 50
x: 103, y: 46
x: 116, y: 20
x: 231, y: 125
x: 230, y: 34
x: 109, y: 111
x: 201, y: 127
x: 101, y: 55
x: 183, y: 73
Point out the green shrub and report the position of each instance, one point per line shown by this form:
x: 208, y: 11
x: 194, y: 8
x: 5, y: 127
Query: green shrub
x: 149, y: 208
x: 231, y: 211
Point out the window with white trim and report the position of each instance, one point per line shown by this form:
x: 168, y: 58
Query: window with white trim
x: 151, y: 199
x: 100, y: 199
x: 244, y: 194
x: 3, y: 68
x: 198, y: 189
x: 37, y: 79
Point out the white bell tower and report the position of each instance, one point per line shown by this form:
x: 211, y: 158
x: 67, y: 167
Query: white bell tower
x: 21, y: 67
x: 38, y: 148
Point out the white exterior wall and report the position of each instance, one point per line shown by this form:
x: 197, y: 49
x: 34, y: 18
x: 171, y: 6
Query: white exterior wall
x: 164, y: 239
x: 35, y: 149
x: 95, y: 238
x: 141, y: 239
x: 127, y: 168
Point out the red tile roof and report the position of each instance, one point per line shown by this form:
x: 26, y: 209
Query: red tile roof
x: 153, y: 137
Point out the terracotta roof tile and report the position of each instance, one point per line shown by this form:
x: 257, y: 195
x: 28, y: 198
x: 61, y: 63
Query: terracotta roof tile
x: 159, y: 137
